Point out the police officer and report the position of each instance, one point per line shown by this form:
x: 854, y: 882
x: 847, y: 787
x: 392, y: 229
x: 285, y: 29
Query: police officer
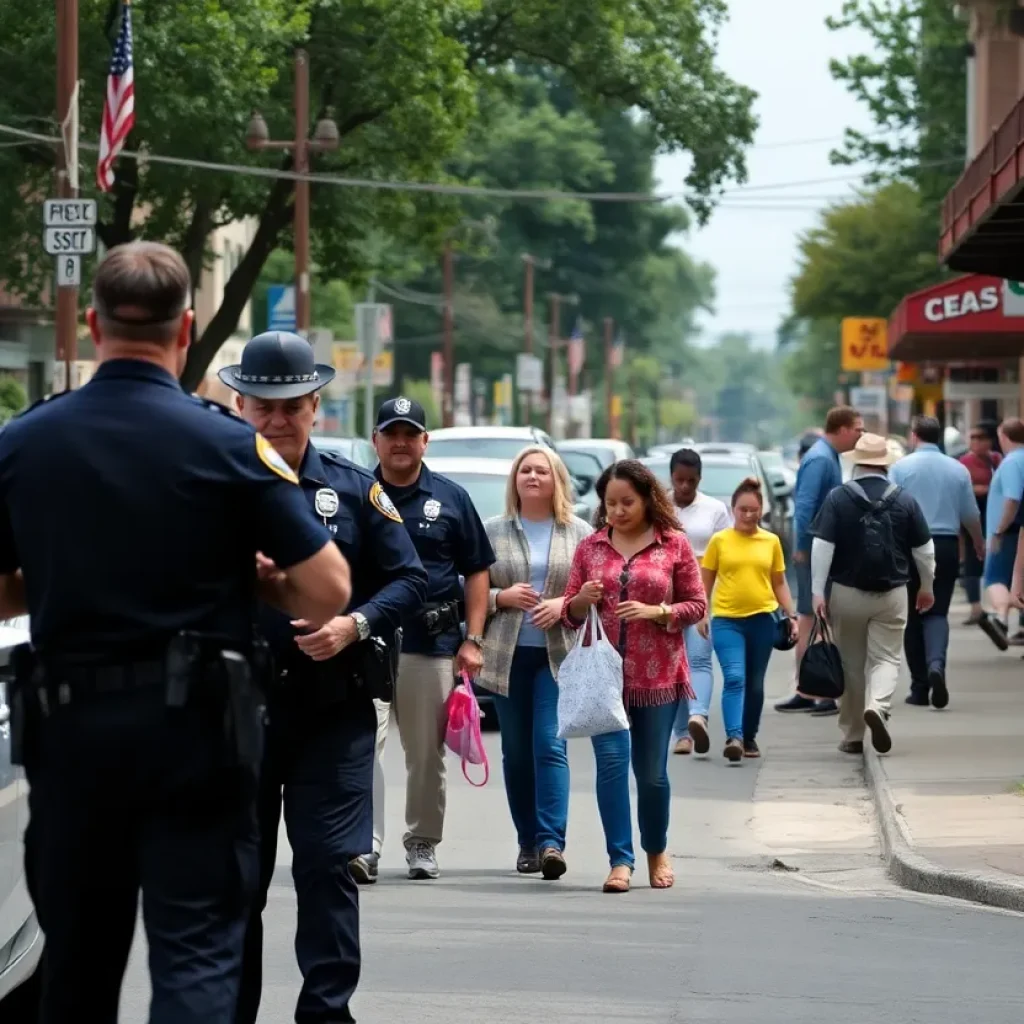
x: 321, y: 714
x: 451, y: 542
x: 133, y: 517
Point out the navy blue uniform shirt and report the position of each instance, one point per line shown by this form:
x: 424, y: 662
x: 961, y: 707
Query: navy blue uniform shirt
x: 450, y: 540
x: 136, y: 510
x: 388, y: 582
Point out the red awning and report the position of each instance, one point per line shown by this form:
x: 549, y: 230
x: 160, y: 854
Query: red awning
x: 983, y: 214
x: 967, y: 319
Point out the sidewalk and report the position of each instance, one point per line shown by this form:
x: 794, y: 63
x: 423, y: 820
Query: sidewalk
x: 949, y: 796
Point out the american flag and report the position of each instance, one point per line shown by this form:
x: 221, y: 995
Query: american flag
x: 119, y: 106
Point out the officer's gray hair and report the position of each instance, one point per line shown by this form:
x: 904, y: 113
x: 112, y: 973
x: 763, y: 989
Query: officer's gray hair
x: 140, y: 291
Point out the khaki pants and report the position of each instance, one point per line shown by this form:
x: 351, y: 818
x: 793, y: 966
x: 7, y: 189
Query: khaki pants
x: 868, y: 631
x: 420, y: 711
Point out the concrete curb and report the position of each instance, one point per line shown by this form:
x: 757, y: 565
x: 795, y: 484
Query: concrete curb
x: 912, y: 871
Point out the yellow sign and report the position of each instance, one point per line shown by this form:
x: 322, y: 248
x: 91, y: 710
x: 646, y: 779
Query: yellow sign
x: 348, y: 361
x: 865, y: 344
x: 616, y: 405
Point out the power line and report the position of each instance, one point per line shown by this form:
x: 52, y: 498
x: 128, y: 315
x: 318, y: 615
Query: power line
x: 438, y: 188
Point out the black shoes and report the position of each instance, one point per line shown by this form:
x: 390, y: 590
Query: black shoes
x: 796, y: 703
x: 937, y: 683
x: 876, y: 722
x: 364, y: 868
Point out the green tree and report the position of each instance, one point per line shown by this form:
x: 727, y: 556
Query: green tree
x: 402, y: 78
x: 13, y: 397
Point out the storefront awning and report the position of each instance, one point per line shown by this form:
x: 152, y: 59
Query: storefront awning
x: 967, y: 319
x: 983, y: 214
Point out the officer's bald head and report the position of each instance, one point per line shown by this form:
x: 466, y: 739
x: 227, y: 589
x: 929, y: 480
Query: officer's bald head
x: 140, y: 293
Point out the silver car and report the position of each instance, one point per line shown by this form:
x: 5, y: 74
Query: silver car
x: 21, y: 941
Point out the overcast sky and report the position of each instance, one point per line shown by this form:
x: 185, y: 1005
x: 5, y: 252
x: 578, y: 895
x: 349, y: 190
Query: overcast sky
x: 781, y: 49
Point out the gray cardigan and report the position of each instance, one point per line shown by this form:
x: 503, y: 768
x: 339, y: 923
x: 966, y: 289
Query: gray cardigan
x: 512, y: 565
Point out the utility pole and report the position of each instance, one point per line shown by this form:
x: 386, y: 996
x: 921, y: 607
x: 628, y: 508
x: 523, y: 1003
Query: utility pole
x: 449, y: 340
x: 326, y: 137
x: 67, y: 176
x: 527, y: 327
x: 556, y: 309
x: 609, y: 373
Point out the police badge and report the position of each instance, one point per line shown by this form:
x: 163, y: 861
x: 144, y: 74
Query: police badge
x: 431, y: 509
x: 402, y: 406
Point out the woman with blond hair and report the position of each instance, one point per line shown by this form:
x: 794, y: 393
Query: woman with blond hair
x: 525, y: 643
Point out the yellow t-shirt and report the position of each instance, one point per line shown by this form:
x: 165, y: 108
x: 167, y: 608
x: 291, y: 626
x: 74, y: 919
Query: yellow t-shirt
x: 744, y: 564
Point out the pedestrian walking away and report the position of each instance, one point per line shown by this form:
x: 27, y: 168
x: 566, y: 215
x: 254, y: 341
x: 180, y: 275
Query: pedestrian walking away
x: 525, y: 644
x: 138, y: 711
x: 981, y: 461
x: 318, y: 765
x: 639, y: 571
x: 942, y: 488
x: 820, y: 471
x: 701, y: 517
x: 866, y: 536
x: 448, y: 535
x: 744, y: 575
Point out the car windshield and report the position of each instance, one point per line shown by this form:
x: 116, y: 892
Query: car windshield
x: 476, y: 447
x: 771, y: 460
x: 603, y: 455
x: 718, y: 481
x: 486, y: 490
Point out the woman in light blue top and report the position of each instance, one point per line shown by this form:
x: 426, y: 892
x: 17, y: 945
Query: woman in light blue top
x: 524, y: 646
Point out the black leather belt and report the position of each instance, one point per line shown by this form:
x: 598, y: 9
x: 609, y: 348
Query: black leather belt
x: 134, y: 675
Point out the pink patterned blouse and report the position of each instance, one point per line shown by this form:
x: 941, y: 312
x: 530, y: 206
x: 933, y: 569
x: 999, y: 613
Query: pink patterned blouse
x: 654, y: 662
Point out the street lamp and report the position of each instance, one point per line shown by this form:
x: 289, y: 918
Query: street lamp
x: 326, y: 137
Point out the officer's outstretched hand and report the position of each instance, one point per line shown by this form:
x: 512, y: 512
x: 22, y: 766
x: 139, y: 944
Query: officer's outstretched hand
x: 469, y: 659
x: 329, y: 640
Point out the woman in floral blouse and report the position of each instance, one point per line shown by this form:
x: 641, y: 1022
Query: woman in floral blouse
x: 640, y: 572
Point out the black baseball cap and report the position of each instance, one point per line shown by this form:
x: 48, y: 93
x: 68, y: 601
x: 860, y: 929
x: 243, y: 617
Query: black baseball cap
x: 401, y: 410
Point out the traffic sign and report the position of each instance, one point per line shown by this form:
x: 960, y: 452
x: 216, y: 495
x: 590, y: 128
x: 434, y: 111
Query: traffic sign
x: 69, y: 271
x: 865, y: 344
x: 69, y: 241
x: 78, y: 213
x: 281, y: 307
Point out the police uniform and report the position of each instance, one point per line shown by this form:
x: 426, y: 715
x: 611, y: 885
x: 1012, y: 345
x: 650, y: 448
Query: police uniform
x: 320, y: 738
x: 452, y: 544
x: 135, y: 512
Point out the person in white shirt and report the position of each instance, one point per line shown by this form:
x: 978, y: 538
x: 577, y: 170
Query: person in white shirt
x: 701, y: 517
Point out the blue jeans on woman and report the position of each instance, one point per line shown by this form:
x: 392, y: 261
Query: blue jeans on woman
x: 533, y: 758
x: 645, y: 743
x: 702, y: 679
x: 744, y: 647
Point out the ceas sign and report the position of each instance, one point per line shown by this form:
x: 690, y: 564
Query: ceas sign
x: 950, y: 307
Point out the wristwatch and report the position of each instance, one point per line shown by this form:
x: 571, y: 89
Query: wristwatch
x: 362, y: 625
x: 666, y: 614
x: 475, y: 638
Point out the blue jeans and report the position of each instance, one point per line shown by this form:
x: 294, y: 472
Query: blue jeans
x: 646, y: 744
x: 533, y: 758
x: 702, y: 679
x: 744, y: 647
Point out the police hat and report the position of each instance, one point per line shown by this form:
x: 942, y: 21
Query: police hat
x: 401, y: 410
x: 277, y: 364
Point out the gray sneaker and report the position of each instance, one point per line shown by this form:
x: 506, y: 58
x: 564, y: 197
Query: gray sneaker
x: 364, y: 868
x: 422, y: 860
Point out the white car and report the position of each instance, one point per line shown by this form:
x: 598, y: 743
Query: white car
x: 484, y: 442
x: 21, y: 941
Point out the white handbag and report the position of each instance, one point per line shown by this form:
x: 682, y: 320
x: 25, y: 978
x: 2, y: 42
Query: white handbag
x: 590, y: 685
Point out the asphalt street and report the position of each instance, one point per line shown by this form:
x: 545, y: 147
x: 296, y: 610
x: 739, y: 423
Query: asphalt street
x: 780, y: 913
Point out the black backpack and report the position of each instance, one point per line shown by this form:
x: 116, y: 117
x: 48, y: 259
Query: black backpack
x: 876, y: 569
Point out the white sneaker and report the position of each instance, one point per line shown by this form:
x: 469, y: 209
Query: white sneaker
x: 422, y: 860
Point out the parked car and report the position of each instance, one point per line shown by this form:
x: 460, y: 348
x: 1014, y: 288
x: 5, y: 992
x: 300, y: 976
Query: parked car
x: 485, y: 442
x: 21, y: 941
x: 606, y: 449
x: 584, y: 469
x: 355, y: 449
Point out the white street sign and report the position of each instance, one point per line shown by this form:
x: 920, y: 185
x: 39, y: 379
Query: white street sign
x: 529, y: 373
x: 78, y: 213
x: 69, y: 271
x: 69, y: 241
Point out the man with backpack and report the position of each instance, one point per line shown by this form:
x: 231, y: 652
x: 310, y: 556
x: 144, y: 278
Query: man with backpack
x: 866, y: 536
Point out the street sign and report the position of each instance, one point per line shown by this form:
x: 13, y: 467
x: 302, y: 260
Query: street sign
x: 69, y: 241
x: 69, y: 271
x: 68, y: 213
x: 529, y: 372
x: 865, y: 344
x: 1013, y: 298
x: 281, y: 307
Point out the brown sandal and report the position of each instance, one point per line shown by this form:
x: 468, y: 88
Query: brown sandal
x: 618, y: 882
x: 660, y: 870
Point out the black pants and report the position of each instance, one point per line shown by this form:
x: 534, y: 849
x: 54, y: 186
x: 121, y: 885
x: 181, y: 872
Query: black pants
x: 927, y: 636
x: 320, y: 766
x: 128, y: 795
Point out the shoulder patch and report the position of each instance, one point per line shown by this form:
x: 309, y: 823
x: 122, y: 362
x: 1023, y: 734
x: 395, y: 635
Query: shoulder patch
x: 270, y: 458
x: 382, y: 503
x: 209, y: 403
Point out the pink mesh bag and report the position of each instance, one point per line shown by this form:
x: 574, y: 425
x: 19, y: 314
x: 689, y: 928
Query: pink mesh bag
x: 462, y: 735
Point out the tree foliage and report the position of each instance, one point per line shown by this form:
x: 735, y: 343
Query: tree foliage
x: 402, y: 78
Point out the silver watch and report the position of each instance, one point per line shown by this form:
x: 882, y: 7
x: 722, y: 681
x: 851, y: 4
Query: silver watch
x: 362, y: 625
